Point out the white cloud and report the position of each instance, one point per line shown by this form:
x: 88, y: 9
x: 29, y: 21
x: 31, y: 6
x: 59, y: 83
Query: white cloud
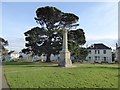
x: 95, y: 37
x: 101, y: 22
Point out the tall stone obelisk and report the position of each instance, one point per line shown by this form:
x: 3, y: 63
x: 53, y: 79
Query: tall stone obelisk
x: 65, y: 60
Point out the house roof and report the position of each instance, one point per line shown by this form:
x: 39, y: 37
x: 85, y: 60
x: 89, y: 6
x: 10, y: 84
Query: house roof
x: 13, y: 52
x: 98, y: 46
x: 118, y: 47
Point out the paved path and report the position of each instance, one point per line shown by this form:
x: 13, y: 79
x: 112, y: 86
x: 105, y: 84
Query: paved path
x: 4, y: 84
x: 0, y: 77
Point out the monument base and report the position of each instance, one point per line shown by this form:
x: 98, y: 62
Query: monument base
x: 65, y: 60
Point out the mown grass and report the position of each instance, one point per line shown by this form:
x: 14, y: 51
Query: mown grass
x: 45, y: 75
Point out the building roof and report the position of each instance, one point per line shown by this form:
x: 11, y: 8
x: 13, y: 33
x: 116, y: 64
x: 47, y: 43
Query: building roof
x: 13, y: 52
x: 118, y: 47
x: 98, y: 46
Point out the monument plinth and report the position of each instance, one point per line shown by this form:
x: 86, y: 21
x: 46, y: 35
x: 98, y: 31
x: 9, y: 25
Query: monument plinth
x: 65, y: 60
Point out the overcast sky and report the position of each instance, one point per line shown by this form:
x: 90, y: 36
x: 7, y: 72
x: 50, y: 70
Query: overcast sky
x: 98, y: 19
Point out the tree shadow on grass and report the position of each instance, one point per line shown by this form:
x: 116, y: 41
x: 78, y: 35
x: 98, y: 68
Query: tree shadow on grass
x: 40, y: 66
x: 33, y: 64
x: 56, y: 66
x: 18, y: 63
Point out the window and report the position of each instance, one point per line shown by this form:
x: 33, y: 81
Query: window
x: 95, y: 51
x: 95, y: 57
x: 89, y: 51
x: 89, y: 58
x: 98, y: 57
x: 104, y: 51
x: 98, y: 51
x: 105, y: 59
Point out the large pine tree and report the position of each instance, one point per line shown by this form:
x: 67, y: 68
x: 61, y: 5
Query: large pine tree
x: 47, y: 38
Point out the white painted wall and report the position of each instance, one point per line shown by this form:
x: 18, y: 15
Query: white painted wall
x: 28, y: 57
x: 10, y: 57
x: 42, y: 57
x: 101, y: 56
x: 55, y: 57
x: 25, y: 55
x: 14, y: 55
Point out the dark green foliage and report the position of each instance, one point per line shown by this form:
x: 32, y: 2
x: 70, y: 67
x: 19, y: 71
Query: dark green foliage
x: 83, y: 53
x: 48, y: 16
x: 80, y: 53
x: 26, y: 50
x: 69, y: 20
x: 20, y: 56
x: 41, y: 41
x: 113, y: 56
x: 3, y: 43
x: 10, y: 52
x: 78, y: 36
x: 52, y: 18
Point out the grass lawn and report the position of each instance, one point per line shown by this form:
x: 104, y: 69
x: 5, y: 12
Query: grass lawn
x: 44, y: 75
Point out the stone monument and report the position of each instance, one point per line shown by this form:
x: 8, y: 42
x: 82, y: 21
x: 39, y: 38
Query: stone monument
x: 65, y: 60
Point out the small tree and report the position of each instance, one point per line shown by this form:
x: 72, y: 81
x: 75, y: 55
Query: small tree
x: 3, y: 43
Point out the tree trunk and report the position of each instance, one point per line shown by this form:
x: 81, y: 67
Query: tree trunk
x: 48, y: 58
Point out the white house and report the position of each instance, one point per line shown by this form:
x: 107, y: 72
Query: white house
x: 99, y: 53
x: 41, y: 58
x: 26, y: 56
x: 117, y: 52
x: 13, y: 55
x: 53, y: 58
x: 30, y: 57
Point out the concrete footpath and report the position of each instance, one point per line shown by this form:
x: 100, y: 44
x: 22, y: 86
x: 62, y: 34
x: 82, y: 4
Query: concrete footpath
x: 0, y: 76
x: 3, y: 82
